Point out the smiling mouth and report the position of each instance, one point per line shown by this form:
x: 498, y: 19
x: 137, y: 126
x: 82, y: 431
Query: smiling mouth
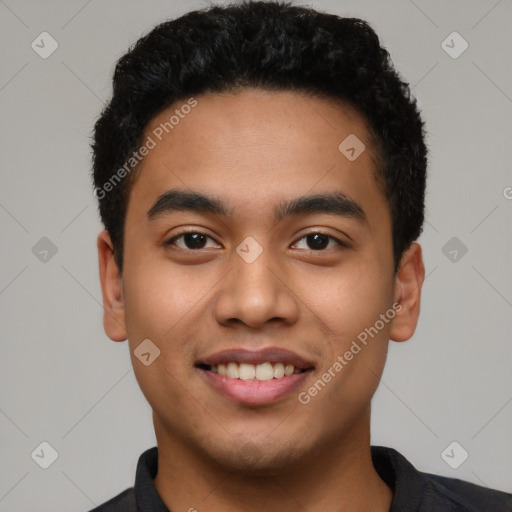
x: 252, y: 372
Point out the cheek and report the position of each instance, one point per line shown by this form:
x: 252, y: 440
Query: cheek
x: 343, y: 388
x: 356, y: 348
x: 350, y: 300
x: 157, y: 299
x: 161, y: 305
x: 156, y: 307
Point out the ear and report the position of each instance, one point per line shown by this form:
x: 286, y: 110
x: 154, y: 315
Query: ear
x: 112, y: 290
x: 408, y: 282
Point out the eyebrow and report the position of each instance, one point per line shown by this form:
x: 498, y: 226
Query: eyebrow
x: 335, y: 203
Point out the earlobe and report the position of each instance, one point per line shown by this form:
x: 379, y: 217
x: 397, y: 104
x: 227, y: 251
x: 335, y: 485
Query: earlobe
x: 112, y: 290
x: 408, y: 282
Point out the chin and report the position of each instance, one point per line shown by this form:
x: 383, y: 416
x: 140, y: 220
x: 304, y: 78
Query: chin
x: 258, y: 458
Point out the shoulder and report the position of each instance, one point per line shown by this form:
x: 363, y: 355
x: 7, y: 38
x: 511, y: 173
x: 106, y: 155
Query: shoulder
x: 415, y: 491
x: 123, y: 502
x: 465, y: 496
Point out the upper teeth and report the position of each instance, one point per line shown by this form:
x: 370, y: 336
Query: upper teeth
x: 245, y: 371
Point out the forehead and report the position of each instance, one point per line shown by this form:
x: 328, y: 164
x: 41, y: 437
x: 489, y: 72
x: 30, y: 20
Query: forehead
x: 256, y: 146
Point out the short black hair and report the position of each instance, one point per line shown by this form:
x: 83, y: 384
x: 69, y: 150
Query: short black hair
x: 274, y: 46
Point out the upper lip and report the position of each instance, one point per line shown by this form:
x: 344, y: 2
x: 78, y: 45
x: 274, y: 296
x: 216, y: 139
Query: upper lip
x: 269, y: 354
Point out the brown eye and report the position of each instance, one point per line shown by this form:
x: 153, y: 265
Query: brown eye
x: 318, y: 241
x: 191, y: 240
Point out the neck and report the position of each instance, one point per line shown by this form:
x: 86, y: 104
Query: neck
x: 337, y: 477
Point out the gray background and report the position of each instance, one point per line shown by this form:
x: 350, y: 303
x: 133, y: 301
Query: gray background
x: 63, y: 381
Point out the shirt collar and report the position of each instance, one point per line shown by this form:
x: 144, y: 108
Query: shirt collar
x: 406, y: 482
x: 146, y: 495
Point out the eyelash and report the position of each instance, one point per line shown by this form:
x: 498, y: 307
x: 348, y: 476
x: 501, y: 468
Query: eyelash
x: 171, y: 241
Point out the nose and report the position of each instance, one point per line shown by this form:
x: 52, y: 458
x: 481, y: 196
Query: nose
x: 256, y: 293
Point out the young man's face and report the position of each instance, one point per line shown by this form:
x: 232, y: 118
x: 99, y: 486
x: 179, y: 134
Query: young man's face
x: 224, y: 301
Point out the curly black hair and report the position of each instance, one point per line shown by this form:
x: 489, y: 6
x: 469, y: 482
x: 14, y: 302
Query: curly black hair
x: 274, y: 46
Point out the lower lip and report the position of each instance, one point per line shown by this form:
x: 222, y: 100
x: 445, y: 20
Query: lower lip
x: 255, y: 392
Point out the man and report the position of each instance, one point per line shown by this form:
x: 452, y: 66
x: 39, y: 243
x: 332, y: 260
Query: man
x: 261, y: 174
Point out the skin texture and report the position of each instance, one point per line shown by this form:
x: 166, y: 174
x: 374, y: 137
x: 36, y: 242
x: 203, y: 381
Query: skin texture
x: 253, y: 150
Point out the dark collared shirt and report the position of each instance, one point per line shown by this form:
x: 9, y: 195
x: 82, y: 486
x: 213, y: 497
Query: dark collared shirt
x: 413, y: 491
